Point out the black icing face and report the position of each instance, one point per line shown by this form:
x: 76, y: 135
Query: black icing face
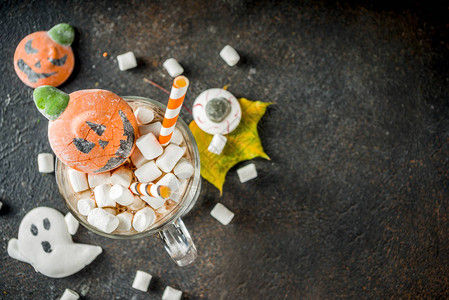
x: 46, y: 246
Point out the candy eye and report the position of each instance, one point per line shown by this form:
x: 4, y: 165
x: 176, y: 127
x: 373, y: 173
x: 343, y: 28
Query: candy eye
x: 46, y: 224
x: 29, y: 49
x: 97, y: 128
x: 83, y: 145
x: 58, y: 61
x: 33, y: 230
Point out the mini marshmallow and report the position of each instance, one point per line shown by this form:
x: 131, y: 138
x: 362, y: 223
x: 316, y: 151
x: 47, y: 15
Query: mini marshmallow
x: 120, y: 194
x: 247, y: 173
x: 171, y: 181
x: 103, y: 220
x: 126, y: 61
x: 154, y: 202
x: 102, y: 196
x: 137, y: 204
x: 173, y: 67
x: 125, y: 219
x: 171, y: 294
x: 217, y: 144
x: 122, y: 176
x: 176, y: 137
x: 85, y: 194
x: 78, y: 180
x: 183, y: 169
x: 72, y: 223
x: 69, y: 295
x: 176, y: 196
x: 45, y: 163
x: 85, y: 206
x: 143, y: 219
x: 167, y: 161
x: 142, y: 281
x: 149, y: 146
x: 98, y: 179
x: 137, y: 158
x: 222, y: 214
x: 154, y: 128
x: 229, y: 55
x: 163, y: 210
x: 110, y: 210
x: 143, y: 115
x: 148, y: 172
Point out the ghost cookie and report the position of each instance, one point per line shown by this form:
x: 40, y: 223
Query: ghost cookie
x: 92, y: 131
x: 45, y: 243
x: 217, y: 112
x: 45, y: 57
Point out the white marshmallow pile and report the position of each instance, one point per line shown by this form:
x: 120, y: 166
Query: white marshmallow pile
x: 69, y: 295
x: 45, y: 163
x: 106, y: 199
x: 173, y: 67
x: 222, y: 214
x: 142, y: 281
x: 229, y: 55
x: 126, y: 61
x: 247, y: 173
x: 171, y: 294
x: 72, y: 223
x: 217, y: 144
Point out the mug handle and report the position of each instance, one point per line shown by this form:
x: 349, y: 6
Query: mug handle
x: 178, y: 243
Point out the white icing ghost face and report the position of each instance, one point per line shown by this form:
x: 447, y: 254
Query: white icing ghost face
x: 225, y: 126
x: 45, y: 243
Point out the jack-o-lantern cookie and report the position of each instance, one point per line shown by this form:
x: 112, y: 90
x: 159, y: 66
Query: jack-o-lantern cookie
x: 45, y: 57
x: 92, y: 131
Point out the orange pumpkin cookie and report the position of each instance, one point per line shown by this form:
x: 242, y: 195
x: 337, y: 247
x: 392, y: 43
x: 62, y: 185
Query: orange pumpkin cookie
x: 45, y: 58
x: 92, y: 131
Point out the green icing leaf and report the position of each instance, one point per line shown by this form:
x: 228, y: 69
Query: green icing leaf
x: 62, y: 34
x: 50, y: 101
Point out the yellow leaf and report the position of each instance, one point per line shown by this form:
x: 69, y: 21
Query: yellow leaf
x: 243, y: 144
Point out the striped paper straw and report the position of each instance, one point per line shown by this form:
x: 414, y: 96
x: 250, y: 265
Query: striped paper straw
x: 178, y: 92
x: 150, y: 189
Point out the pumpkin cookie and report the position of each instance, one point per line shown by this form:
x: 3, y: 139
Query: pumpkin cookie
x: 45, y: 57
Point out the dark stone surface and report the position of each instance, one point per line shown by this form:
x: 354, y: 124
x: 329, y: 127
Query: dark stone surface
x: 353, y: 204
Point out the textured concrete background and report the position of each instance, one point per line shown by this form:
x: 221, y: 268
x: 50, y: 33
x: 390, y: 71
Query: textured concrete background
x: 353, y: 204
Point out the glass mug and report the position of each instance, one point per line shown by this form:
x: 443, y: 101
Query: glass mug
x: 170, y: 228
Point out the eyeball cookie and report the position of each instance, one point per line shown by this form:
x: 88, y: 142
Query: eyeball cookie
x: 217, y: 111
x: 45, y: 57
x: 91, y: 131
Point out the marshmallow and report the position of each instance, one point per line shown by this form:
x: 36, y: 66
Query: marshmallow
x: 171, y: 181
x: 142, y: 281
x: 72, y: 223
x: 78, y: 180
x: 143, y: 219
x: 154, y: 202
x: 177, y: 195
x: 110, y: 210
x: 144, y: 115
x: 149, y: 146
x: 176, y: 137
x: 121, y: 194
x: 102, y: 196
x: 171, y: 294
x: 229, y: 55
x: 217, y: 144
x: 173, y: 67
x: 183, y: 169
x: 85, y: 206
x: 137, y: 204
x: 125, y: 219
x: 85, y: 194
x: 247, y: 173
x: 148, y: 172
x: 98, y: 179
x: 154, y: 128
x: 222, y: 214
x: 126, y: 61
x: 122, y: 176
x: 167, y: 161
x: 45, y: 163
x: 137, y: 158
x: 103, y: 220
x: 69, y: 295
